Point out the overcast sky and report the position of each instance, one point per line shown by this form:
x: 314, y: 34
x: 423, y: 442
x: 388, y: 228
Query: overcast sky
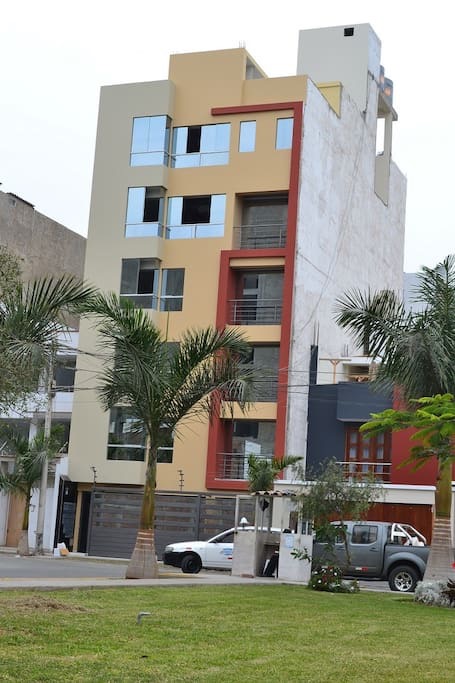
x: 55, y: 55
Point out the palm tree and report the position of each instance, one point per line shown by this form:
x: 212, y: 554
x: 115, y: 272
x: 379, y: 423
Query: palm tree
x: 262, y: 472
x: 26, y: 474
x: 417, y: 353
x: 34, y: 318
x: 164, y: 384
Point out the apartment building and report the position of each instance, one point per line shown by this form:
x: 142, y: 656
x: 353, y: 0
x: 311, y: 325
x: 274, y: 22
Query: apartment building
x: 44, y: 247
x: 223, y: 197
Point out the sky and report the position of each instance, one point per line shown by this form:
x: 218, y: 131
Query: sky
x: 56, y: 55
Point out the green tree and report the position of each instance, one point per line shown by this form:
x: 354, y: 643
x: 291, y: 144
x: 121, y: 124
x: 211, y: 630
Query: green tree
x: 26, y: 473
x: 416, y: 350
x: 262, y: 472
x: 32, y: 316
x: 433, y: 419
x: 164, y: 384
x: 330, y: 497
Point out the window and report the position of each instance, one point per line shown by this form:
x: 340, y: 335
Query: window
x: 253, y: 437
x: 166, y: 451
x: 144, y: 213
x: 364, y: 534
x: 247, y: 138
x: 172, y: 289
x: 201, y: 145
x: 368, y: 455
x: 139, y: 281
x: 126, y: 440
x: 64, y: 372
x: 284, y: 129
x: 150, y: 141
x: 196, y: 217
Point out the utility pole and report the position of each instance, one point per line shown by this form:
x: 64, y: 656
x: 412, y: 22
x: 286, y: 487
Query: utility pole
x: 39, y: 550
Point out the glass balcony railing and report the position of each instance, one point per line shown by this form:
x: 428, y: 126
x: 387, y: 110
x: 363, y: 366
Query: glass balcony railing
x: 267, y: 236
x: 255, y: 311
x: 356, y: 470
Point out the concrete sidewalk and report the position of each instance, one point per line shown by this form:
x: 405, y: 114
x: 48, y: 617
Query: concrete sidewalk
x: 166, y: 579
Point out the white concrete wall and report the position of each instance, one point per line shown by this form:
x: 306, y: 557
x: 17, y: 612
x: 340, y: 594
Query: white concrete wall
x: 61, y: 470
x: 4, y: 506
x: 346, y: 236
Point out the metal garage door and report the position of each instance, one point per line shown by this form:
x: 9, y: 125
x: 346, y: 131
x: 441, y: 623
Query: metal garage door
x: 115, y: 515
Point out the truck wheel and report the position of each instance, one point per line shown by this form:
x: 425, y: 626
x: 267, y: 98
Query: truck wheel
x: 191, y: 564
x: 403, y: 578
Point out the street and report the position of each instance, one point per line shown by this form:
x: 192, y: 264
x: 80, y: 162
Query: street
x: 17, y: 569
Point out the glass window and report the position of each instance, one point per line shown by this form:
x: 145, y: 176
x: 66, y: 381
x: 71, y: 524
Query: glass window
x: 144, y: 212
x: 364, y: 534
x: 126, y: 440
x: 247, y: 138
x: 139, y: 281
x: 196, y: 217
x: 172, y: 289
x: 284, y: 129
x: 64, y: 372
x: 201, y: 145
x: 150, y: 141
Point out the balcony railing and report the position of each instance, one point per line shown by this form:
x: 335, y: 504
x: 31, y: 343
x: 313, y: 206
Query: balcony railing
x: 234, y: 466
x: 356, y: 470
x: 267, y: 236
x: 255, y: 312
x: 265, y: 389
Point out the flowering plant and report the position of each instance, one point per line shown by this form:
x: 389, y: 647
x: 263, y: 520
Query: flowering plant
x: 330, y: 579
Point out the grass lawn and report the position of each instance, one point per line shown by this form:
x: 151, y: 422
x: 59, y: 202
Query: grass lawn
x: 225, y: 633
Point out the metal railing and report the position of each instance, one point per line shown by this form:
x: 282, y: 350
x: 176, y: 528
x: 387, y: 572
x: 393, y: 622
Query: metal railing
x: 265, y: 389
x: 234, y: 466
x: 255, y: 312
x: 267, y: 236
x: 355, y: 470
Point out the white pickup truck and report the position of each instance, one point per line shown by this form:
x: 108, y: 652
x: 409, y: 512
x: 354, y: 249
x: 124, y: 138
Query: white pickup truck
x: 382, y: 550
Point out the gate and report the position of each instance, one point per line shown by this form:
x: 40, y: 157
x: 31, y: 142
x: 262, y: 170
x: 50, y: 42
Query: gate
x: 114, y: 519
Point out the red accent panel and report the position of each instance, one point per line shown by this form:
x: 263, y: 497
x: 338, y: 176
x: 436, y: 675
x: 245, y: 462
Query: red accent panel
x: 401, y: 450
x: 226, y: 289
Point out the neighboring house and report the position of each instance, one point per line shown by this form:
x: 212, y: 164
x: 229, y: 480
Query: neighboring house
x: 223, y: 197
x: 45, y: 248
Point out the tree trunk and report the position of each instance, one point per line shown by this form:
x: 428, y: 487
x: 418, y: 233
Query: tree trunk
x: 143, y: 563
x: 440, y: 561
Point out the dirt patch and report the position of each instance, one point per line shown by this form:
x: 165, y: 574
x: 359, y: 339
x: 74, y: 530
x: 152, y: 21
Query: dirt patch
x: 41, y: 603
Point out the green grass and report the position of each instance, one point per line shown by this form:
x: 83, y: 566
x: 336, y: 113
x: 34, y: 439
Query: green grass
x: 270, y: 633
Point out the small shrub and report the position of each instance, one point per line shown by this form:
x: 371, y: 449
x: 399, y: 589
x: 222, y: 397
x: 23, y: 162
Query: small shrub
x: 432, y: 593
x: 330, y: 579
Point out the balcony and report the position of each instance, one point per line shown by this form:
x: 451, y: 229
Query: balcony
x: 234, y: 466
x: 255, y: 311
x: 266, y: 236
x: 380, y: 471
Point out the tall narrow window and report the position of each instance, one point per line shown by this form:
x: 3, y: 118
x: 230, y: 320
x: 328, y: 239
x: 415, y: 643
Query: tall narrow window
x: 247, y: 138
x: 172, y: 289
x: 284, y: 133
x: 196, y: 217
x: 201, y: 145
x: 150, y: 141
x: 139, y: 281
x: 144, y: 213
